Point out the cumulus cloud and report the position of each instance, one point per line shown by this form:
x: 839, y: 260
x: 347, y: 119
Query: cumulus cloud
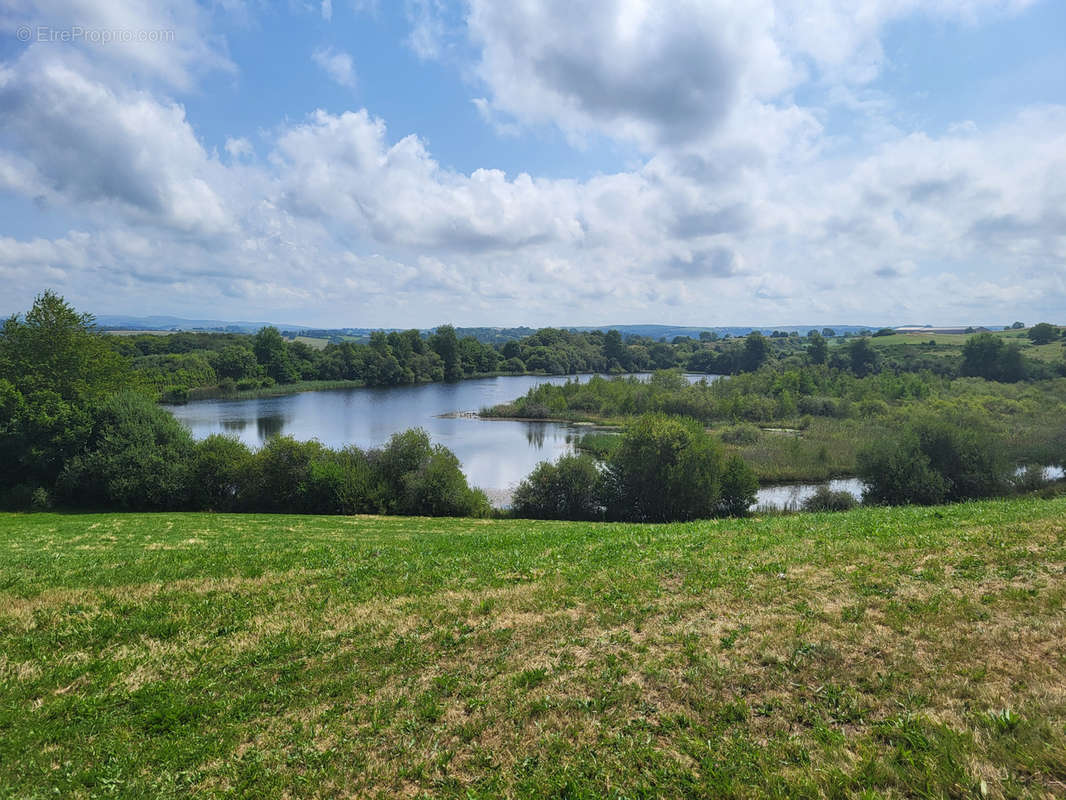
x: 91, y: 144
x: 170, y: 40
x: 742, y: 209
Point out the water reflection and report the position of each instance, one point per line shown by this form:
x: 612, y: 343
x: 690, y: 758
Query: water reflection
x: 495, y: 454
x: 269, y: 426
x: 535, y: 435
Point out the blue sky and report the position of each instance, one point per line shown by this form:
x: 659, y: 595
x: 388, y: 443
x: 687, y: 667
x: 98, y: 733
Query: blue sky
x: 416, y: 162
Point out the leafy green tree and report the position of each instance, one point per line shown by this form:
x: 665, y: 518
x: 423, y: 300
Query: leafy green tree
x: 614, y: 350
x: 138, y: 457
x: 756, y: 350
x: 567, y: 489
x: 818, y: 350
x: 862, y: 357
x: 987, y: 356
x: 665, y: 469
x: 237, y: 362
x: 281, y: 475
x: 55, y: 349
x: 222, y: 474
x: 54, y: 365
x: 273, y: 355
x: 828, y: 333
x: 739, y: 487
x: 1017, y: 326
x: 446, y: 344
x: 1043, y: 333
x: 933, y: 461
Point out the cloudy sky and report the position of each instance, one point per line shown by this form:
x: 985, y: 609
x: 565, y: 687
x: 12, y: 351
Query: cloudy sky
x: 412, y: 162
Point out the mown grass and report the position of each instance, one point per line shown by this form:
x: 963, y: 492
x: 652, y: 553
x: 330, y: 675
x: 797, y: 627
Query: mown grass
x: 878, y: 653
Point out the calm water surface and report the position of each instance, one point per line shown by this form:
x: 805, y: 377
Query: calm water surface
x: 495, y: 454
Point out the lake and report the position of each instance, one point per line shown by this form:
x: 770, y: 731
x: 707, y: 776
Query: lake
x: 495, y: 454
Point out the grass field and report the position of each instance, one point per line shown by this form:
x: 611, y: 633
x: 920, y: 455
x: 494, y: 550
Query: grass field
x: 879, y: 653
x: 952, y: 343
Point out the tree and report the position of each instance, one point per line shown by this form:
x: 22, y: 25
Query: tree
x: 567, y: 489
x: 932, y: 461
x: 235, y: 361
x: 755, y: 352
x: 138, y: 457
x: 739, y: 488
x: 665, y: 469
x: 818, y: 350
x: 1043, y: 333
x: 54, y: 365
x: 1017, y: 326
x: 862, y: 357
x: 273, y: 355
x: 828, y: 333
x: 987, y: 356
x: 446, y: 344
x: 614, y: 350
x: 55, y: 349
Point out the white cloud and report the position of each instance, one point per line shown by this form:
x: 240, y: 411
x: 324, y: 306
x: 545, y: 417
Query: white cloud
x: 743, y: 210
x: 239, y: 148
x: 337, y: 64
x: 166, y: 40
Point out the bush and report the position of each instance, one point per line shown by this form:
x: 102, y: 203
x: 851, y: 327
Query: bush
x: 932, y: 461
x: 740, y: 434
x: 222, y: 474
x: 280, y: 476
x: 668, y: 469
x: 138, y: 457
x: 825, y: 499
x: 438, y: 488
x: 739, y: 487
x: 567, y: 489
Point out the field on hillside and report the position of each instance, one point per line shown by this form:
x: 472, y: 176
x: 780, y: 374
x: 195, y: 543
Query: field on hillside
x: 952, y: 343
x: 883, y: 652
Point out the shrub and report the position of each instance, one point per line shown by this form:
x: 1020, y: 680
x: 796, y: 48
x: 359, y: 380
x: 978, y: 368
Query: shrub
x: 740, y: 434
x: 438, y: 488
x: 567, y: 489
x: 280, y: 479
x: 668, y: 469
x: 825, y: 499
x: 222, y: 474
x: 932, y: 461
x: 138, y: 457
x: 599, y: 444
x: 739, y: 487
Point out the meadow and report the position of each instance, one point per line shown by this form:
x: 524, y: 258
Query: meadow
x: 905, y: 652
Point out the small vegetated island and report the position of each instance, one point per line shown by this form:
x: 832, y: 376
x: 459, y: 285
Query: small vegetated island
x: 911, y: 647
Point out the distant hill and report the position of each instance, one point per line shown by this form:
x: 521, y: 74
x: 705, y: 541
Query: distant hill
x: 492, y: 335
x: 163, y: 323
x: 670, y: 331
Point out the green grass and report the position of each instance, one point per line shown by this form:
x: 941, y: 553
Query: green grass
x: 952, y: 343
x: 277, y: 390
x: 878, y: 653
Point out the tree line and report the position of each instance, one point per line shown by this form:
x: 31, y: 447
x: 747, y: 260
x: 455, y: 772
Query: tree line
x: 80, y: 428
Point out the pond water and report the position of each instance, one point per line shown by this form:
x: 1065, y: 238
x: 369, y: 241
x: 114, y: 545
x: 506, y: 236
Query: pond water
x: 790, y: 497
x: 495, y: 454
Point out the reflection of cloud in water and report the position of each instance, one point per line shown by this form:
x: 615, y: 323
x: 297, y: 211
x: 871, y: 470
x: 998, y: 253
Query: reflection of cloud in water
x: 269, y: 426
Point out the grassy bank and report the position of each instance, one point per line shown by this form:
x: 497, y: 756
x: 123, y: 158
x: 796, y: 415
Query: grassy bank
x: 902, y: 652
